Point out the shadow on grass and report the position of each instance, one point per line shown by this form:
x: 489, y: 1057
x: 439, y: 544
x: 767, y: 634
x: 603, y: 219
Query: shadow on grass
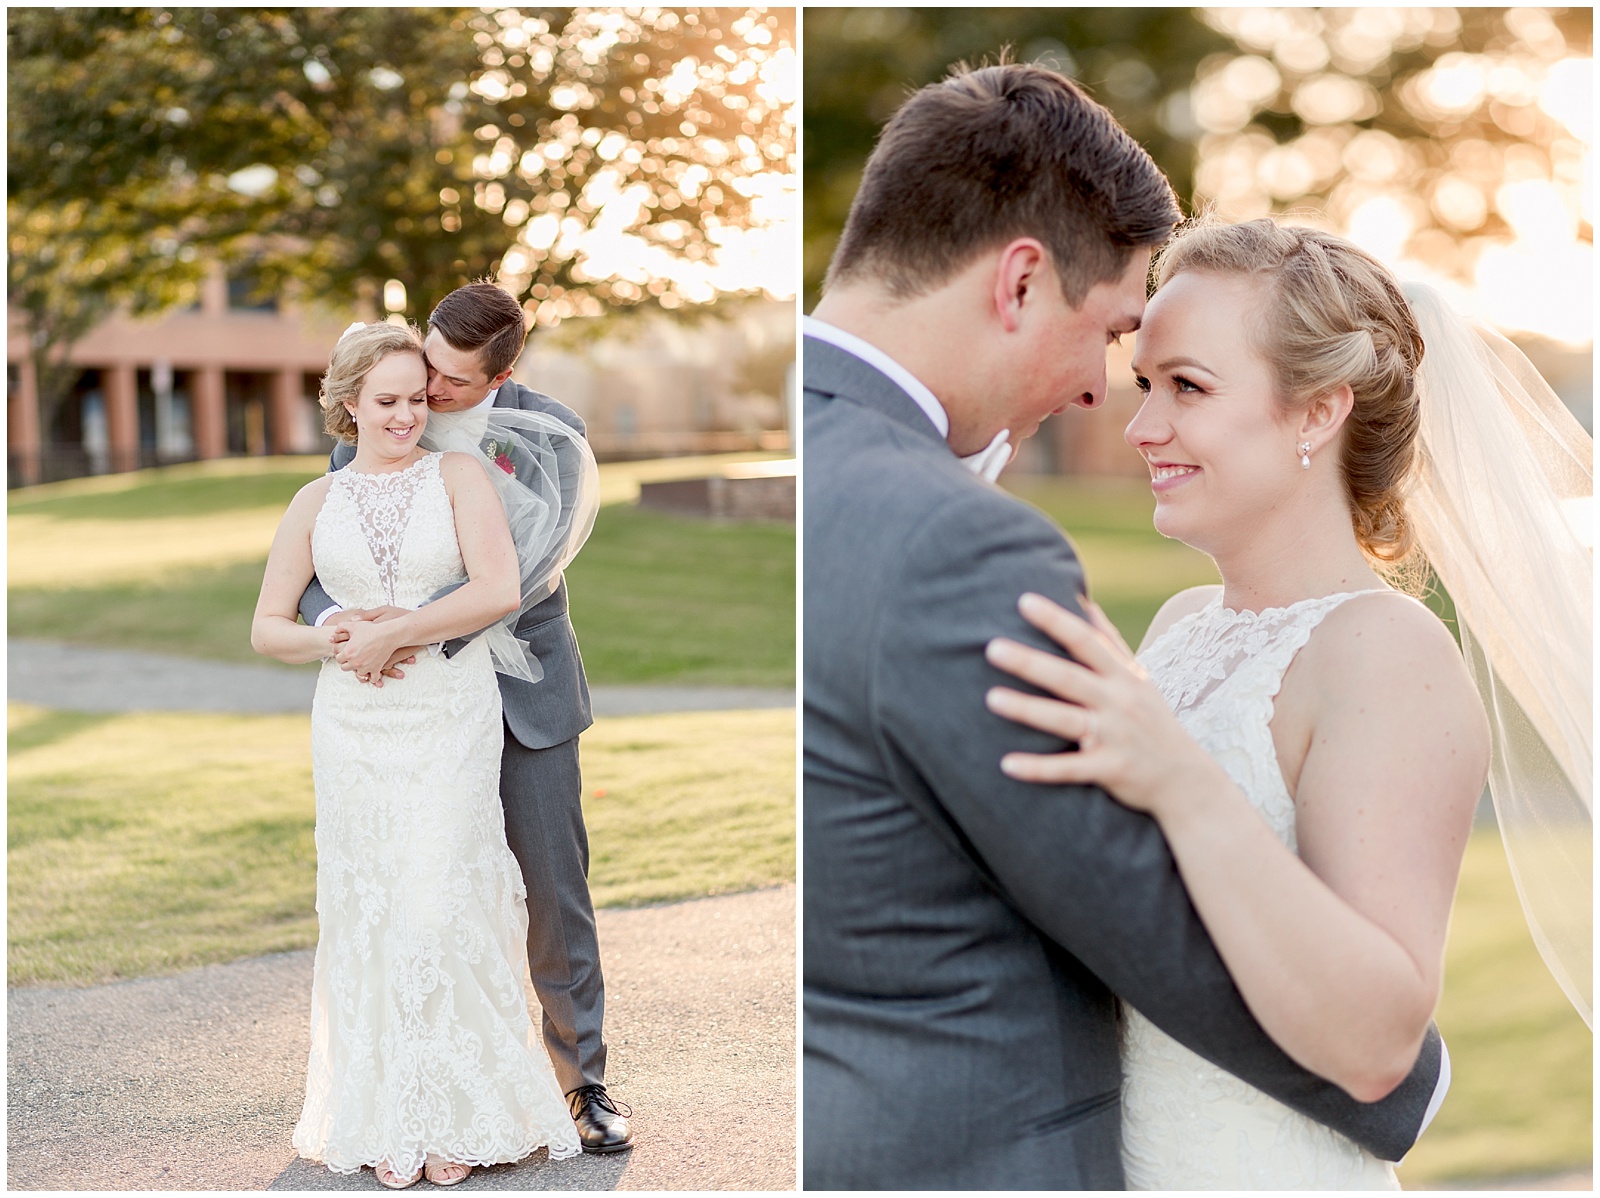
x: 47, y: 727
x: 160, y: 497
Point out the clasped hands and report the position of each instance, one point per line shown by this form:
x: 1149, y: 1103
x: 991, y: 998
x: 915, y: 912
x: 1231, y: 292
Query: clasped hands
x: 362, y: 645
x: 1128, y: 740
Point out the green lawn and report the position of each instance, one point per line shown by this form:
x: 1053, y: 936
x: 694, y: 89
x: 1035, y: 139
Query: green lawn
x: 1131, y: 568
x: 122, y: 863
x: 658, y: 598
x: 1521, y: 1099
x: 170, y: 561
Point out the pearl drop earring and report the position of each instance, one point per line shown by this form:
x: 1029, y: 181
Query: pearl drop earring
x: 1305, y: 455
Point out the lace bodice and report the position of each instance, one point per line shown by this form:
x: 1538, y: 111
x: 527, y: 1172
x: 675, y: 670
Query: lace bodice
x: 387, y: 538
x: 1220, y: 671
x: 1186, y: 1123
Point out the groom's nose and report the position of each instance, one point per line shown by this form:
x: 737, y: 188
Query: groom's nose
x: 1095, y: 396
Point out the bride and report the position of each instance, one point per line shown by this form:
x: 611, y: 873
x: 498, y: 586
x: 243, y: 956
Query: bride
x: 422, y: 1052
x: 1309, y: 738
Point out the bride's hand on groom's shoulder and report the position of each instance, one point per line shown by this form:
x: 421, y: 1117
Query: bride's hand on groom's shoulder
x: 1103, y: 625
x: 1126, y: 738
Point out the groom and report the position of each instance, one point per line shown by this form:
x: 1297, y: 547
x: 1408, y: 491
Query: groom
x: 474, y: 338
x: 967, y: 935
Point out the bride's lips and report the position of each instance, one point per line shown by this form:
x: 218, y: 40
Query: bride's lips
x: 1164, y: 476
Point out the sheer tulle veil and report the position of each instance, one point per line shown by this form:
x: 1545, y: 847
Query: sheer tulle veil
x: 547, y: 480
x: 1502, y: 504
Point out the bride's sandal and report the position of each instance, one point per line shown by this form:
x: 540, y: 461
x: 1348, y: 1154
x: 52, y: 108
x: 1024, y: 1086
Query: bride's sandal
x: 389, y: 1179
x: 445, y: 1173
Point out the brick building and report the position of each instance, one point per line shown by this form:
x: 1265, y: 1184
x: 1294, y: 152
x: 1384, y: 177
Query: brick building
x: 233, y: 376
x: 227, y: 376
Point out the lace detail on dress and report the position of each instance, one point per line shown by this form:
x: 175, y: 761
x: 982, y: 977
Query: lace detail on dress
x: 421, y: 1040
x: 1186, y: 1123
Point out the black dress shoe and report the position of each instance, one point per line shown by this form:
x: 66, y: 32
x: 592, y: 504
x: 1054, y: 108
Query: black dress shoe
x: 602, y: 1121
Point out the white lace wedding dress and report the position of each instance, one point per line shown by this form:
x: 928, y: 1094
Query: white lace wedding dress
x: 421, y: 1041
x: 1186, y: 1124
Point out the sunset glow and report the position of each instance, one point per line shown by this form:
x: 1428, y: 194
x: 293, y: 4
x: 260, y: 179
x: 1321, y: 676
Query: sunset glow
x: 1497, y: 209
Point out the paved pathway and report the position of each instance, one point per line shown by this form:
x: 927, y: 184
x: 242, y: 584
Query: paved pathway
x: 194, y: 1082
x: 79, y: 679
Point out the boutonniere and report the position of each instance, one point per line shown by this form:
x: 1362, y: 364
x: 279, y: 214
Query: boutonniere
x: 499, y: 452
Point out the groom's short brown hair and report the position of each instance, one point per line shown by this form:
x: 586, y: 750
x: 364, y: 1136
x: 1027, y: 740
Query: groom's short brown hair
x: 482, y: 317
x: 993, y: 154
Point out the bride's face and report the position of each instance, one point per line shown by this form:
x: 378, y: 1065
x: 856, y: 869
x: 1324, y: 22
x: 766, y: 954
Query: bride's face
x: 1221, y: 450
x: 392, y: 406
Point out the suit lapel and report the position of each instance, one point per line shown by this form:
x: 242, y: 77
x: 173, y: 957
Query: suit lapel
x: 831, y: 371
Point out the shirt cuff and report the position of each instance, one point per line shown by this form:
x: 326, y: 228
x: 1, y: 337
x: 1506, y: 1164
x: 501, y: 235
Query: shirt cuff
x: 1437, y: 1101
x: 320, y: 620
x: 1438, y: 1091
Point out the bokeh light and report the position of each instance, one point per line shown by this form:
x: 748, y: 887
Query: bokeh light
x: 1453, y: 145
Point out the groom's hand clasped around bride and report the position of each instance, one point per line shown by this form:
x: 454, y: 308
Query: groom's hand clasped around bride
x: 361, y: 653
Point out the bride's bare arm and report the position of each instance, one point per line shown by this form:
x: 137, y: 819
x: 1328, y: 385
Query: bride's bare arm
x: 492, y: 590
x: 275, y: 632
x: 1338, y: 951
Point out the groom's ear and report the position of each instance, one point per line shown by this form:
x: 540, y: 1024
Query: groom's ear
x: 1021, y: 267
x: 498, y: 379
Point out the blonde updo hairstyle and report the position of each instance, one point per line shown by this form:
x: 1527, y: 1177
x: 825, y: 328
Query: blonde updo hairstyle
x: 356, y: 354
x: 1331, y: 314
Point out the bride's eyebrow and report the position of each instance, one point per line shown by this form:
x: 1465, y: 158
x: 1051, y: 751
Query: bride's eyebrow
x: 1170, y: 363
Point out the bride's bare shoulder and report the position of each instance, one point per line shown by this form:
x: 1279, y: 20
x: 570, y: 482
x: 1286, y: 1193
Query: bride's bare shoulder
x: 1387, y: 651
x: 1184, y: 603
x: 308, y: 499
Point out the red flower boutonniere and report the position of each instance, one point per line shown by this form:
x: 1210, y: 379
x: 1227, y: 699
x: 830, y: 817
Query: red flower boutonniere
x: 500, y: 455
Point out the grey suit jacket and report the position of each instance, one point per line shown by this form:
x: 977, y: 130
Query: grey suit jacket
x: 556, y: 708
x: 964, y: 934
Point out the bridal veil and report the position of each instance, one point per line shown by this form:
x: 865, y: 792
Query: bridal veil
x: 1503, y: 510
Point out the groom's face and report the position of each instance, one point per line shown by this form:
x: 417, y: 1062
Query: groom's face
x: 1061, y: 361
x: 456, y: 380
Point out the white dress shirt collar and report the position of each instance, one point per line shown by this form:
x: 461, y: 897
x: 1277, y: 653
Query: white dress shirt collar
x: 875, y: 357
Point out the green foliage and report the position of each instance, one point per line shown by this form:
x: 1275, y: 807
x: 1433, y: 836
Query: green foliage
x: 861, y: 64
x: 1320, y: 111
x: 340, y: 147
x: 145, y: 844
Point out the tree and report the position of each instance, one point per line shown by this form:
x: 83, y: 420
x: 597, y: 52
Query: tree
x: 340, y: 148
x: 1454, y: 140
x: 1449, y: 141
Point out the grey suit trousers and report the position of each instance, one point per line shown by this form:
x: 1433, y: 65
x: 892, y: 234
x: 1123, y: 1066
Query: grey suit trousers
x: 541, y: 791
